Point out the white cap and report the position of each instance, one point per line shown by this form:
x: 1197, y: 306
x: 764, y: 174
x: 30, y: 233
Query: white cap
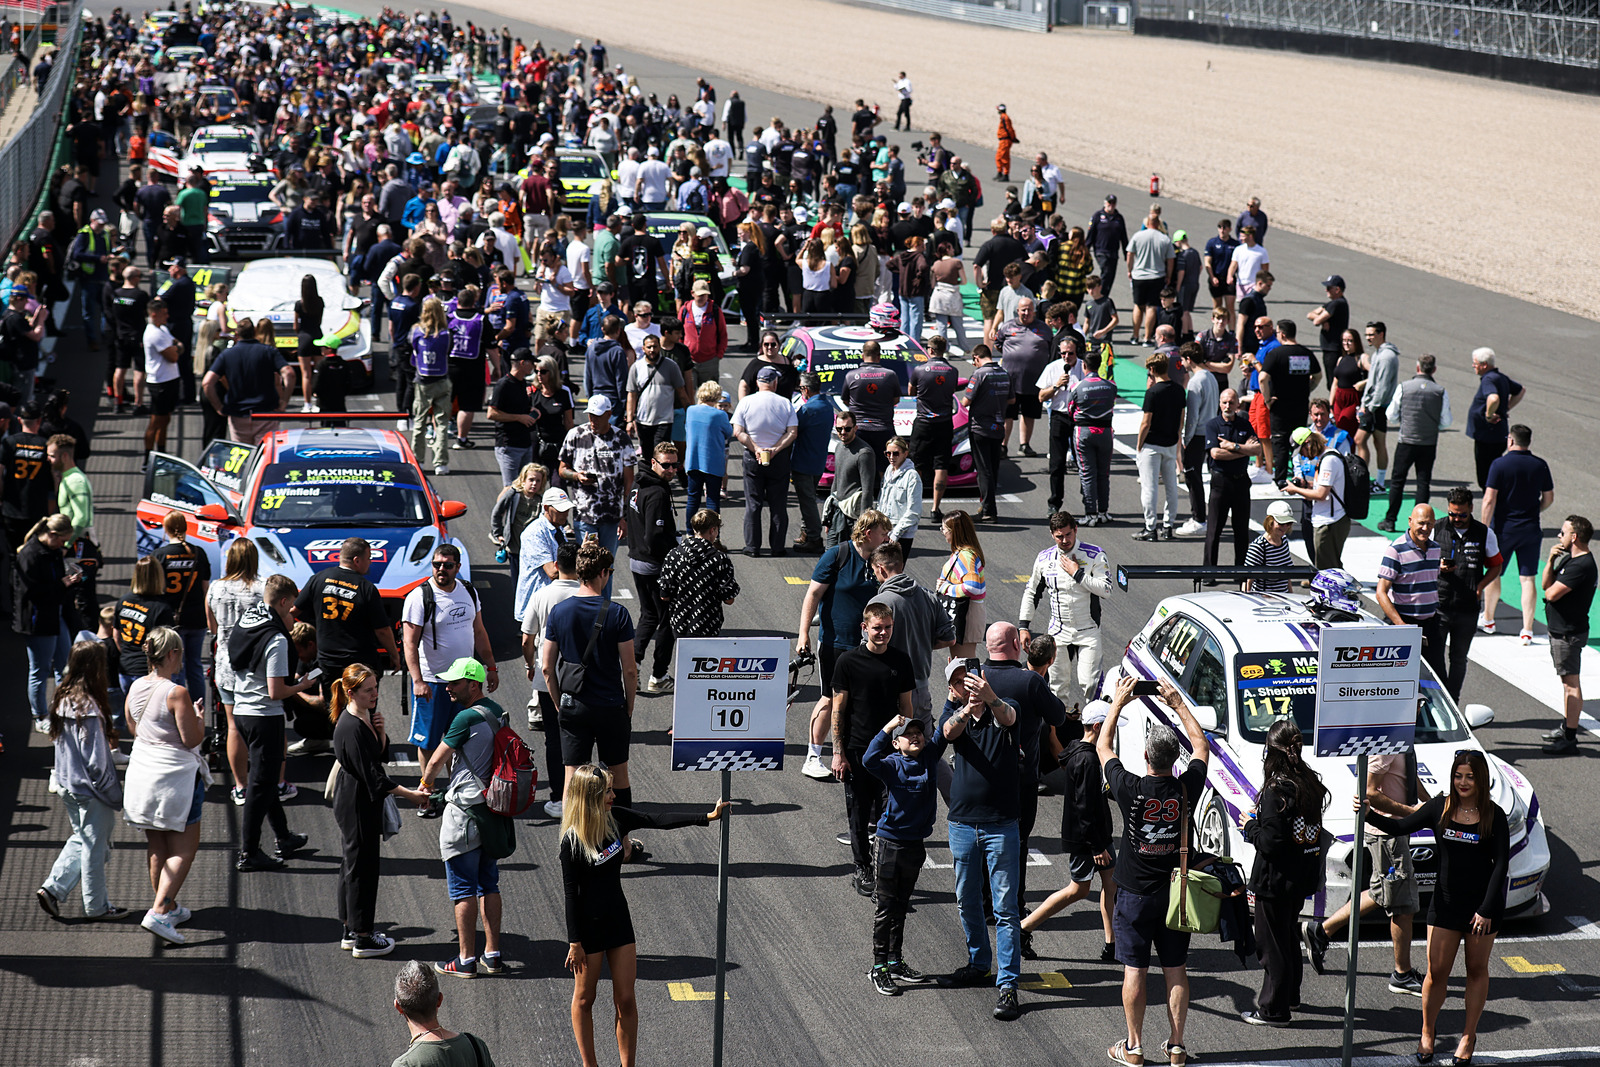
x: 599, y: 404
x: 1280, y: 512
x: 558, y: 499
x: 1095, y: 712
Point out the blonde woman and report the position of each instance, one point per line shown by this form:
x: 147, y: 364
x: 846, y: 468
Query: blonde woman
x: 214, y: 329
x: 750, y: 279
x: 961, y: 587
x: 517, y: 505
x: 594, y: 842
x: 867, y: 267
x: 683, y: 250
x: 817, y: 278
x: 430, y: 357
x: 167, y: 778
x: 227, y: 599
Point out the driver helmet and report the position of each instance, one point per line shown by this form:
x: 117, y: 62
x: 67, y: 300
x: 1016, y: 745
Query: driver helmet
x: 1338, y: 590
x: 884, y: 316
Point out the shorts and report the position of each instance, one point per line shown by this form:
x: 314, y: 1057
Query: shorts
x: 198, y: 802
x: 128, y: 352
x: 1372, y: 420
x: 1524, y: 544
x: 1081, y: 866
x: 1026, y: 404
x: 163, y: 397
x: 1397, y: 896
x: 828, y: 656
x: 1140, y: 922
x: 466, y: 384
x: 1220, y: 290
x: 306, y: 346
x: 1147, y: 291
x: 472, y: 875
x: 430, y: 718
x: 1567, y: 652
x: 932, y: 443
x: 586, y: 730
x: 1260, y: 420
x: 968, y: 616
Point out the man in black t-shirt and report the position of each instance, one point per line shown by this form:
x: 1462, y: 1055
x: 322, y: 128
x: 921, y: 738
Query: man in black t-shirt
x: 185, y: 575
x: 511, y: 411
x: 1157, y: 814
x: 1288, y: 374
x: 1000, y: 250
x: 642, y: 257
x: 1332, y: 318
x: 1252, y: 307
x: 28, y: 492
x: 1569, y: 584
x: 872, y: 683
x: 1157, y: 455
x: 128, y: 309
x: 348, y: 612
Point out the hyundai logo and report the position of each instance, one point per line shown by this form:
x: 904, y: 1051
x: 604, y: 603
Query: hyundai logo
x: 1421, y: 854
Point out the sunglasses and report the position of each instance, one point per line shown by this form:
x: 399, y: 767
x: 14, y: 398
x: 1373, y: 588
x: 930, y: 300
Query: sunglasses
x: 444, y: 565
x: 668, y: 466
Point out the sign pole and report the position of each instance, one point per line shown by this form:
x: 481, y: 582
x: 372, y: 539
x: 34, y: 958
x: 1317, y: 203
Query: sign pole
x: 722, y: 921
x: 1356, y: 883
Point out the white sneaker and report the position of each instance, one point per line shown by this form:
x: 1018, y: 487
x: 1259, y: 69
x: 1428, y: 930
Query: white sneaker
x: 1191, y: 529
x: 815, y: 768
x: 403, y: 425
x: 179, y: 915
x: 310, y: 747
x: 1258, y: 475
x: 41, y: 726
x: 552, y: 808
x: 119, y: 757
x: 238, y: 796
x: 659, y: 685
x: 441, y: 470
x: 161, y: 926
x: 368, y: 948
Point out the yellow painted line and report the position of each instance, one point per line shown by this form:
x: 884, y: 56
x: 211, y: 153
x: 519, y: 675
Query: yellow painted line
x: 796, y: 581
x: 1017, y: 580
x: 1047, y: 980
x: 1522, y: 966
x: 686, y: 991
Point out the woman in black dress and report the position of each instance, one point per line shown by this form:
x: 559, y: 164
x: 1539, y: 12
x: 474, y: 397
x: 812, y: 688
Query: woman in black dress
x: 552, y: 414
x: 1469, y: 898
x: 308, y: 312
x: 360, y: 746
x: 594, y: 840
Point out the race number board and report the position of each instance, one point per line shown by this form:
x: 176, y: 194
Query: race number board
x: 730, y: 699
x: 1367, y: 689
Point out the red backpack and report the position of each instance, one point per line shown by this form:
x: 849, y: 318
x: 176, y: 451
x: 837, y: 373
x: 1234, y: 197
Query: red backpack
x: 512, y: 776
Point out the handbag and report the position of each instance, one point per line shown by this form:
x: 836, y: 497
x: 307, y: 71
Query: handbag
x: 571, y: 676
x: 391, y: 816
x: 1194, y: 898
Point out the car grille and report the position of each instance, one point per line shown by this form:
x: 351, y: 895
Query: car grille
x: 248, y: 239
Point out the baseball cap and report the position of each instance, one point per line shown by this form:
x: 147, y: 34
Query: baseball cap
x: 465, y: 669
x: 1332, y: 280
x: 946, y: 204
x: 955, y: 665
x: 599, y: 404
x: 97, y: 215
x: 800, y: 216
x: 1111, y: 198
x: 694, y: 172
x: 1096, y: 710
x: 768, y: 374
x: 557, y: 498
x: 546, y: 138
x: 625, y: 211
x: 176, y: 261
x: 1181, y: 235
x: 705, y: 233
x: 904, y: 208
x: 523, y: 355
x: 1298, y: 437
x: 701, y: 286
x: 1280, y: 512
x: 653, y: 152
x: 906, y: 727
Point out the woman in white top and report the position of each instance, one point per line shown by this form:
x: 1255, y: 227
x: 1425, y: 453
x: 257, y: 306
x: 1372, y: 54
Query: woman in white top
x: 166, y: 783
x: 227, y: 599
x: 900, y: 495
x: 817, y: 277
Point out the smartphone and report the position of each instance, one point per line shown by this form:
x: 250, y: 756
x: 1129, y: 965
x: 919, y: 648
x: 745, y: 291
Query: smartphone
x: 1146, y: 687
x: 312, y: 675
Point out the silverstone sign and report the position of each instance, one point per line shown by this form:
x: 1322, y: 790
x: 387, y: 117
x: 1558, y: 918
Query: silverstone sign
x: 1367, y: 689
x: 730, y: 700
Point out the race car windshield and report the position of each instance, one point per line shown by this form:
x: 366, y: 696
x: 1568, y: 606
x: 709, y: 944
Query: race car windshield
x: 223, y: 144
x: 255, y: 193
x: 581, y: 167
x: 341, y: 494
x: 1273, y: 686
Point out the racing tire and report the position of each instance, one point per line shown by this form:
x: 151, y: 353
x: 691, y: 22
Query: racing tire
x: 1212, y: 827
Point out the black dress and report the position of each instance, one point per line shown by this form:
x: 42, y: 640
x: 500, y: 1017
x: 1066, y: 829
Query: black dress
x: 358, y: 809
x: 597, y: 912
x: 1472, y: 872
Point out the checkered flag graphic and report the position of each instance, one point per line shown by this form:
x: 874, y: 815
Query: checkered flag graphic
x: 1373, y: 745
x: 734, y: 760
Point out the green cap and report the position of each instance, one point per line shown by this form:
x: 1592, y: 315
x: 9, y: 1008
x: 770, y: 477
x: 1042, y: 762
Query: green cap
x: 465, y: 669
x: 1299, y: 436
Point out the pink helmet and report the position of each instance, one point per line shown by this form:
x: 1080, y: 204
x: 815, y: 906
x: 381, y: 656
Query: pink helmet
x: 884, y: 316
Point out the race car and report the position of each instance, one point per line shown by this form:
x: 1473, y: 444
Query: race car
x: 221, y: 148
x: 221, y: 101
x: 664, y: 226
x: 298, y: 495
x: 1244, y: 660
x: 241, y: 218
x: 581, y: 171
x: 833, y: 351
x: 268, y: 288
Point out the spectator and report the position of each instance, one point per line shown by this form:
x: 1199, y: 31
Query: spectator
x: 607, y: 362
x: 855, y: 480
x: 472, y: 838
x: 1230, y: 442
x: 1151, y: 842
x: 1332, y: 320
x: 43, y: 586
x: 697, y: 579
x: 541, y: 540
x: 705, y: 332
x: 185, y: 575
x: 813, y: 432
x: 900, y: 496
x: 1325, y: 493
x: 1469, y: 562
x: 129, y: 311
x: 708, y: 430
x: 362, y: 748
x: 652, y: 534
x: 417, y: 999
x: 541, y: 709
x: 517, y: 506
x: 1491, y: 405
x: 245, y: 380
x: 161, y: 354
x: 961, y: 588
x: 441, y: 621
x: 227, y: 600
x: 1372, y: 418
x: 1569, y: 585
x: 1025, y: 344
x: 1408, y: 585
x: 1165, y: 405
x: 1108, y: 237
x: 1054, y: 386
x: 655, y: 386
x: 1420, y: 408
x: 1288, y: 374
x: 766, y: 425
x: 1518, y: 490
x: 165, y: 787
x: 552, y: 411
x: 1271, y: 549
x: 1150, y: 269
x: 1200, y: 400
x: 921, y: 625
x: 511, y: 411
x: 597, y: 461
x: 984, y: 840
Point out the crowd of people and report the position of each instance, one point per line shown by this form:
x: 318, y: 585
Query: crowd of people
x: 492, y: 288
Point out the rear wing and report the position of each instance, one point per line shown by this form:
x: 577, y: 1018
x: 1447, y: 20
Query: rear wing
x: 1201, y: 575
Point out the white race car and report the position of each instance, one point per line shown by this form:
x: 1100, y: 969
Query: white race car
x: 268, y: 288
x: 1244, y: 660
x: 219, y: 149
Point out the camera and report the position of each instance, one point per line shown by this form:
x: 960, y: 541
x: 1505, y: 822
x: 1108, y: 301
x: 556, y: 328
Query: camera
x: 801, y: 660
x: 917, y: 146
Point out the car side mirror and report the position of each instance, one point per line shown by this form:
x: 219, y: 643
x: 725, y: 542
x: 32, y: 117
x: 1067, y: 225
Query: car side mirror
x: 211, y: 513
x: 1206, y: 716
x: 1478, y: 715
x: 451, y: 509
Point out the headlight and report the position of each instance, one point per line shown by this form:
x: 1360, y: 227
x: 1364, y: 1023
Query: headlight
x: 423, y: 547
x: 1518, y: 815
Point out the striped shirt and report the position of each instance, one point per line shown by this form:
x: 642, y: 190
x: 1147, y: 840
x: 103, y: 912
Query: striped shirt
x: 962, y: 576
x: 1263, y: 553
x: 1413, y: 574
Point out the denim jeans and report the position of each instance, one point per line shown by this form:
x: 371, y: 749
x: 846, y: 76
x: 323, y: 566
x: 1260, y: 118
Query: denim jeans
x: 911, y: 314
x: 88, y: 305
x: 511, y: 461
x: 805, y: 495
x: 47, y: 657
x: 83, y: 857
x: 605, y: 531
x: 194, y: 644
x: 994, y: 848
x: 706, y: 487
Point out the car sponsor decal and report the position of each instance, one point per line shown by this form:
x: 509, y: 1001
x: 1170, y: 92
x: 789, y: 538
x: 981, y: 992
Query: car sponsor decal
x: 326, y: 550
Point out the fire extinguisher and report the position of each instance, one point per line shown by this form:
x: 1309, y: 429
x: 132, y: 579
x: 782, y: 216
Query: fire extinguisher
x: 1155, y: 185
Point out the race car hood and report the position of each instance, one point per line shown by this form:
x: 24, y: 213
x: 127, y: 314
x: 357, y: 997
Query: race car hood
x: 246, y: 211
x: 219, y: 161
x: 400, y: 554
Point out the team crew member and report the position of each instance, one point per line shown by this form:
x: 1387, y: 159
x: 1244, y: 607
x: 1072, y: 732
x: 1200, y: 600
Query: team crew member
x: 347, y: 610
x: 138, y: 616
x: 1469, y: 563
x: 1230, y: 442
x: 441, y: 621
x: 934, y: 384
x: 29, y: 487
x: 129, y: 312
x: 594, y: 843
x: 467, y: 334
x: 906, y: 761
x: 1156, y: 818
x: 430, y: 344
x: 1089, y: 406
x: 872, y: 392
x: 1285, y: 829
x: 185, y: 578
x: 1085, y: 831
x: 1069, y: 578
x: 841, y: 585
x: 987, y: 395
x: 542, y: 713
x: 362, y: 748
x: 872, y: 683
x: 1469, y: 896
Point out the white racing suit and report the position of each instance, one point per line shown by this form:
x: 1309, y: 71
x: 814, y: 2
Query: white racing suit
x: 1073, y: 601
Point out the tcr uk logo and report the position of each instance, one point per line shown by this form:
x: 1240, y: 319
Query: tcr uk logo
x: 1372, y: 654
x: 733, y: 665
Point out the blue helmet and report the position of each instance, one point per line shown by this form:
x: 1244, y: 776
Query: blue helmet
x: 1337, y: 589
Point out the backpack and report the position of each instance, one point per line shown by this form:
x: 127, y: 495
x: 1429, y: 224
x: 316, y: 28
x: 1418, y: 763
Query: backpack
x: 428, y: 602
x: 1357, y: 499
x: 512, y: 777
x: 696, y: 200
